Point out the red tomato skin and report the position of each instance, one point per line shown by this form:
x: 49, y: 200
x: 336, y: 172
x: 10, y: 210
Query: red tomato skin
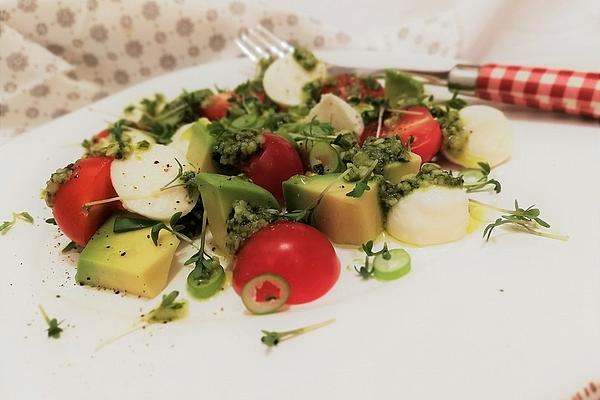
x: 100, y: 135
x: 218, y: 106
x: 370, y: 130
x: 299, y: 253
x: 275, y: 163
x: 423, y: 128
x: 90, y: 181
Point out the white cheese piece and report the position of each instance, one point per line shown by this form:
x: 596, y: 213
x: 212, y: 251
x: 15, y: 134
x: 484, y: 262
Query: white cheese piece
x: 284, y: 79
x: 139, y: 178
x: 337, y: 113
x: 490, y: 137
x: 430, y: 215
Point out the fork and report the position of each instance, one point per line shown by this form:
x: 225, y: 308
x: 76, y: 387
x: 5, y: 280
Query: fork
x: 566, y: 91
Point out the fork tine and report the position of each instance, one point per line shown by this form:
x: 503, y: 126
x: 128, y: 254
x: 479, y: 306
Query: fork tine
x: 250, y: 46
x: 247, y: 50
x: 283, y: 46
x: 266, y: 45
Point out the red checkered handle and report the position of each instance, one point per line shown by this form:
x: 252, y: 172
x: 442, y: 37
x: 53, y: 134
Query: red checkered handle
x: 566, y: 91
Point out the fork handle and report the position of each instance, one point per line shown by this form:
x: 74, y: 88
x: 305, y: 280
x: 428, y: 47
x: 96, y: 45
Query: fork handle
x: 566, y: 91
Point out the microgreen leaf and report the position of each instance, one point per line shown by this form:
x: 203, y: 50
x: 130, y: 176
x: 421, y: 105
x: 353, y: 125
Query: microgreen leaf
x: 168, y: 309
x: 366, y: 270
x: 127, y: 224
x: 273, y: 338
x: 70, y: 246
x: 179, y: 175
x: 155, y: 231
x: 483, y: 183
x: 526, y: 219
x: 363, y: 184
x: 54, y: 330
x: 8, y: 225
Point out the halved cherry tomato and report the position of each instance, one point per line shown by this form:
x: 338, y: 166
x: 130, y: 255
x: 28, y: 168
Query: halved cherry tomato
x: 100, y: 135
x: 298, y: 253
x: 90, y: 181
x: 416, y: 122
x: 351, y: 85
x: 217, y: 106
x: 275, y: 163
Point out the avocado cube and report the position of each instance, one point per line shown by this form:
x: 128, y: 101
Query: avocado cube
x: 127, y: 261
x: 344, y: 219
x: 218, y: 194
x: 396, y: 170
x: 200, y: 150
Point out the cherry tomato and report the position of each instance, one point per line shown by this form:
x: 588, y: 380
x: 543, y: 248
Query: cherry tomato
x: 298, y: 253
x: 217, y: 106
x: 275, y: 163
x: 419, y: 124
x: 370, y: 130
x: 100, y: 135
x: 90, y: 181
x: 350, y: 85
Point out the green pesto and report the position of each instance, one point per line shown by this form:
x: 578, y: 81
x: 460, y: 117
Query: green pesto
x: 305, y: 58
x: 383, y: 150
x: 455, y: 136
x: 57, y: 178
x: 233, y: 147
x: 429, y: 175
x: 244, y: 220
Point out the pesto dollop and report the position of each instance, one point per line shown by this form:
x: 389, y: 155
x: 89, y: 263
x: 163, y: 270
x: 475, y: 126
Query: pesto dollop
x: 429, y: 175
x: 455, y: 136
x: 305, y: 58
x: 57, y: 178
x: 244, y: 220
x: 118, y: 147
x: 233, y: 147
x: 383, y: 150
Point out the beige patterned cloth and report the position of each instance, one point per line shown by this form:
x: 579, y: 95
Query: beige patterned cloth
x: 56, y: 57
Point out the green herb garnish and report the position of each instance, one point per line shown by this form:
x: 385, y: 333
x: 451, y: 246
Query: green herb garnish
x: 54, y: 330
x: 366, y: 271
x: 70, y: 246
x: 483, y: 183
x: 50, y: 221
x: 527, y: 219
x: 128, y: 224
x: 272, y: 338
x: 8, y: 225
x: 363, y: 183
x: 168, y: 309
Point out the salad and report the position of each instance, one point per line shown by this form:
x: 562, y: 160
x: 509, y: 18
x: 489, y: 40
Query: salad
x: 261, y: 179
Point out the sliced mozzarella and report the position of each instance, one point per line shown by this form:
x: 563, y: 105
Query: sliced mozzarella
x: 139, y: 178
x: 338, y: 113
x: 284, y: 79
x: 490, y: 137
x: 431, y: 215
x: 180, y: 140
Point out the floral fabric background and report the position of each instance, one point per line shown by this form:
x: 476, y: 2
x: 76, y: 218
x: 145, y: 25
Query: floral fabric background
x: 56, y: 57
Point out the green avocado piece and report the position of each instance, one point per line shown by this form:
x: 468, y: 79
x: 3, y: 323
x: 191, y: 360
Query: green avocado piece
x: 218, y: 194
x: 201, y: 147
x: 344, y: 219
x: 396, y: 170
x: 127, y: 261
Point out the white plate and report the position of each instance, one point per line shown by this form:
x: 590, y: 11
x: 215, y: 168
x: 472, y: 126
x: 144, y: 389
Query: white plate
x: 518, y: 317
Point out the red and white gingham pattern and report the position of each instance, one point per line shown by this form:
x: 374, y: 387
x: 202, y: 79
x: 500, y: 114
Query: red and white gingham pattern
x: 570, y: 92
